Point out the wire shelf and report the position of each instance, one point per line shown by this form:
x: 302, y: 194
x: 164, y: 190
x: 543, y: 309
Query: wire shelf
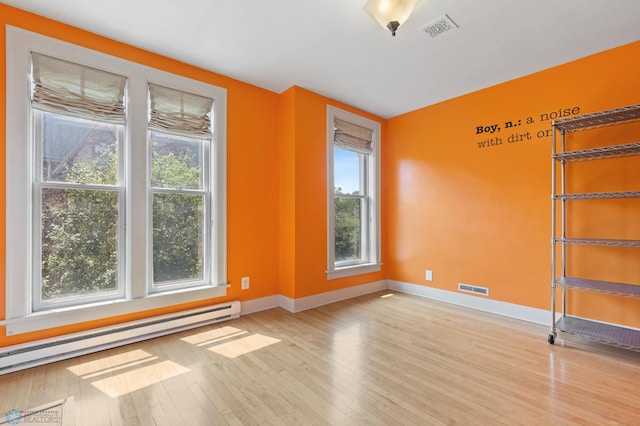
x: 599, y: 153
x: 597, y: 195
x: 611, y: 117
x: 598, y: 242
x: 596, y: 286
x: 605, y: 333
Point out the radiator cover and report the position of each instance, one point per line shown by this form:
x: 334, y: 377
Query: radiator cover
x: 19, y: 357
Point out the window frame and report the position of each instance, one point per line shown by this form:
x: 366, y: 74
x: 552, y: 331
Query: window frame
x: 20, y: 315
x: 370, y: 220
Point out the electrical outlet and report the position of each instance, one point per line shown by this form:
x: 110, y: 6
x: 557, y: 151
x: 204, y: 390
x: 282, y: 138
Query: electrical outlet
x: 428, y: 275
x: 245, y: 283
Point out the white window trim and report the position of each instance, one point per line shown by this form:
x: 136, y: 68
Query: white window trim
x: 373, y: 179
x: 19, y: 315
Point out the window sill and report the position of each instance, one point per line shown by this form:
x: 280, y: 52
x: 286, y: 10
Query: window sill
x: 348, y: 271
x: 95, y: 311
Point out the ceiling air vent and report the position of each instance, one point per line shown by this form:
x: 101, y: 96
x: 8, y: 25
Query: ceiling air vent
x: 436, y: 28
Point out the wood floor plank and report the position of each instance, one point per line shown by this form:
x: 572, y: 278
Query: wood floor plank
x: 372, y: 360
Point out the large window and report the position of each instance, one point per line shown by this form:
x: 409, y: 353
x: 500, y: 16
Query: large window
x: 78, y: 117
x: 179, y: 137
x: 353, y: 230
x: 116, y: 186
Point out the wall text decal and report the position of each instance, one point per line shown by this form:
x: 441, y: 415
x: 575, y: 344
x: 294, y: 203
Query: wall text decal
x: 511, y: 131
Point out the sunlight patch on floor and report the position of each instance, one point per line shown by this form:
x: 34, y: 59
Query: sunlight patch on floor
x: 213, y: 336
x: 126, y: 372
x: 138, y: 378
x: 110, y: 364
x: 244, y: 345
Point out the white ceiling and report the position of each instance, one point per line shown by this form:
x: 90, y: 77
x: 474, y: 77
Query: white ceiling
x: 334, y: 48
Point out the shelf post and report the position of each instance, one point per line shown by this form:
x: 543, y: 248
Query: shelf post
x: 553, y: 230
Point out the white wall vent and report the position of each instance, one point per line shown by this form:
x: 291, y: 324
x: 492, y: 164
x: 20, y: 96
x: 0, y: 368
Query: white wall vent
x: 439, y: 26
x: 468, y: 288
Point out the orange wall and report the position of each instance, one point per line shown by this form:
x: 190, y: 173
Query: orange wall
x: 276, y: 181
x: 287, y: 170
x: 482, y: 215
x: 472, y: 215
x: 303, y: 202
x: 252, y: 178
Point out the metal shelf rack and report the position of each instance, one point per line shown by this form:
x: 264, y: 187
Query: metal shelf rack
x: 606, y: 333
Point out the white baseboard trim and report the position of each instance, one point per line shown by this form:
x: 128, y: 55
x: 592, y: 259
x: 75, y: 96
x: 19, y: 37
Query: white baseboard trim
x: 310, y: 302
x: 260, y: 304
x: 286, y: 303
x: 525, y: 313
x: 534, y: 315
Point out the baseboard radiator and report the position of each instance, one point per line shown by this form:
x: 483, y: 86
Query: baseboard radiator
x: 20, y: 357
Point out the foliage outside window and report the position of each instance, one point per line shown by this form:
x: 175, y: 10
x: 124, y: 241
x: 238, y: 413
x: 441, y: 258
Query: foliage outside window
x: 178, y: 209
x: 350, y: 207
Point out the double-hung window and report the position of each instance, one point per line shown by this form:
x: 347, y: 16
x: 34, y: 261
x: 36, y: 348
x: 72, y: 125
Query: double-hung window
x: 116, y: 196
x: 78, y: 118
x: 179, y: 138
x: 353, y: 218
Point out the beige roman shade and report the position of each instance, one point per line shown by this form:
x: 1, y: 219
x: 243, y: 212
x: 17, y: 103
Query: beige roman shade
x: 73, y: 89
x: 352, y: 137
x: 178, y: 112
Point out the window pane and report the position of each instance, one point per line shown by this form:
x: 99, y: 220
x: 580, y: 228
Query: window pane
x: 346, y: 172
x: 79, y: 243
x: 347, y: 229
x: 176, y: 162
x: 178, y: 237
x: 78, y: 151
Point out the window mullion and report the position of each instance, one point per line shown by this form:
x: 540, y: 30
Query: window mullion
x: 36, y: 210
x: 356, y: 196
x: 178, y: 191
x: 364, y: 211
x: 138, y: 196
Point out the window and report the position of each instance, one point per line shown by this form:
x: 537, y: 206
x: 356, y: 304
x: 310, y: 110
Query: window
x: 179, y: 136
x: 353, y: 215
x: 78, y: 118
x: 116, y: 186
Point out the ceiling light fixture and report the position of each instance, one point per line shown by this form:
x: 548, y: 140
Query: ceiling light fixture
x: 391, y: 13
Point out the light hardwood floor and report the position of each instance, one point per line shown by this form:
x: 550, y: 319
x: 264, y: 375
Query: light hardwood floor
x: 380, y: 359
